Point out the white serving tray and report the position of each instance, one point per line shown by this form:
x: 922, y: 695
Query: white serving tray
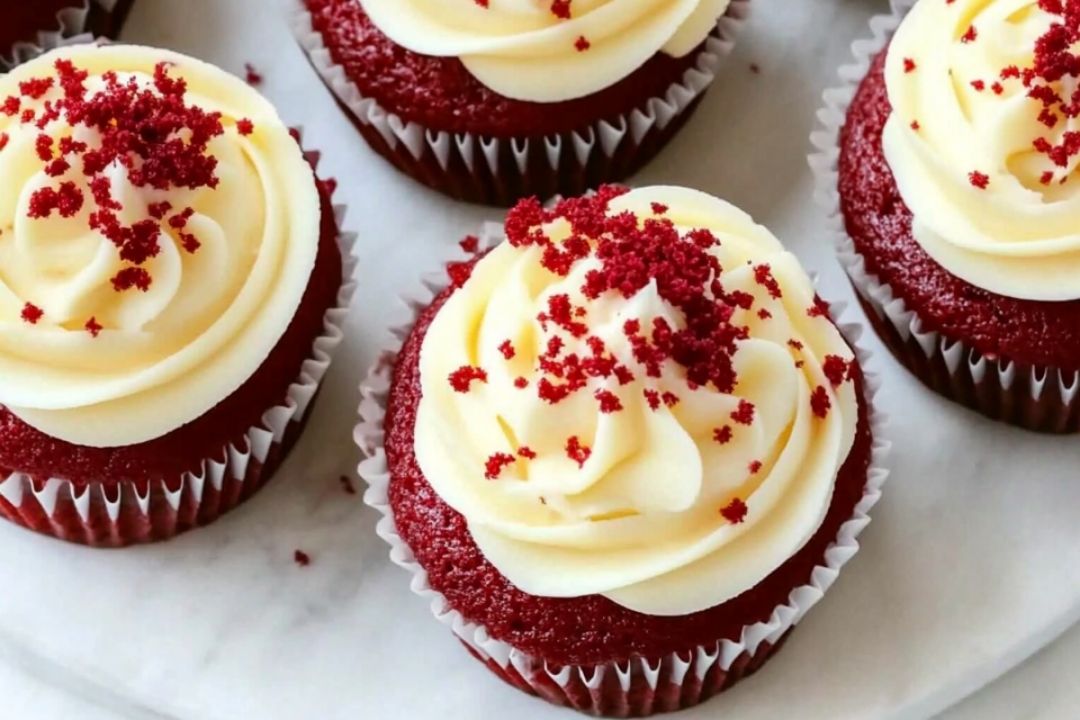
x: 971, y: 564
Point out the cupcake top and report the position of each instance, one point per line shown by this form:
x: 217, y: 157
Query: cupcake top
x: 547, y: 50
x: 637, y: 395
x: 158, y: 227
x: 984, y: 140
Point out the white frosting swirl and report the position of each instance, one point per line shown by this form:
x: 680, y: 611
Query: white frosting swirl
x: 166, y: 356
x: 640, y: 521
x: 1019, y: 235
x: 522, y: 50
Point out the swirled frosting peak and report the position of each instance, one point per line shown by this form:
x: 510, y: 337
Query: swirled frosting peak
x: 636, y: 395
x: 984, y: 140
x: 547, y: 50
x: 158, y: 227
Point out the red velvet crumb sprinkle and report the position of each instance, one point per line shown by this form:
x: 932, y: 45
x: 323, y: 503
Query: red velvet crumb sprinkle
x: 463, y: 377
x: 244, y: 126
x: 93, y: 327
x: 819, y: 402
x: 582, y: 44
x: 31, y: 313
x: 723, y: 435
x: 735, y: 511
x: 527, y: 453
x: 507, y: 350
x: 744, y: 414
x: 576, y: 451
x: 496, y: 463
x: 609, y: 401
x: 754, y: 467
x: 978, y: 179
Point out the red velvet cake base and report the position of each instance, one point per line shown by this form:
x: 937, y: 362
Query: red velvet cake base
x: 441, y: 96
x: 588, y: 630
x: 150, y: 467
x: 1042, y: 339
x: 22, y: 20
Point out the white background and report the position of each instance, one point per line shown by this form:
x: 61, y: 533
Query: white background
x: 970, y: 565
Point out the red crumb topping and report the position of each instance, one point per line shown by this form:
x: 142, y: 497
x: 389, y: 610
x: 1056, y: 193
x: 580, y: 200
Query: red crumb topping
x: 244, y: 126
x: 764, y: 314
x: 735, y: 511
x: 159, y: 139
x: 764, y: 277
x: 909, y: 65
x: 301, y: 558
x: 507, y: 350
x: 561, y: 9
x: 527, y: 453
x: 4, y: 140
x: 744, y: 414
x: 653, y: 398
x: 582, y: 44
x: 459, y: 273
x: 576, y: 451
x: 93, y: 327
x: 819, y: 402
x: 836, y: 369
x: 496, y: 464
x: 252, y: 76
x: 970, y: 35
x: 978, y: 179
x: 31, y: 313
x: 521, y: 383
x: 609, y: 401
x: 754, y: 467
x: 659, y: 208
x: 723, y: 435
x: 820, y: 308
x: 462, y: 378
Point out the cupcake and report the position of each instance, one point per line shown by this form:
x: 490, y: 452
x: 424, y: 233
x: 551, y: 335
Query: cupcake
x: 171, y: 285
x: 31, y: 26
x: 624, y: 452
x: 491, y: 102
x: 956, y: 187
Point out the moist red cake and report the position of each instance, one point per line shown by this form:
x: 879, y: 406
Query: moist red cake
x: 22, y: 20
x: 574, y: 631
x: 440, y: 95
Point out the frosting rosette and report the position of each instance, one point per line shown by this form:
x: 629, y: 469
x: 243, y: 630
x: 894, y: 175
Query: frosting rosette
x: 158, y: 228
x: 637, y: 395
x: 547, y: 50
x: 984, y: 139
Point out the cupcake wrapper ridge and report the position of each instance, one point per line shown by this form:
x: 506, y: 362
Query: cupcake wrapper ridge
x: 500, y: 171
x: 642, y: 686
x: 72, y: 28
x: 1044, y: 399
x: 128, y: 512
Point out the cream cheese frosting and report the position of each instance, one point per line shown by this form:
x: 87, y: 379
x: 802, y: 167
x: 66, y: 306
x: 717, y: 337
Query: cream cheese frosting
x: 545, y: 50
x: 988, y: 204
x: 87, y: 362
x: 688, y: 494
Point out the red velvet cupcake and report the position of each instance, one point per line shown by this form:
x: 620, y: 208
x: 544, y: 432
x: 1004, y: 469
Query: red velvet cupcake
x: 959, y: 204
x: 625, y: 451
x: 489, y: 104
x: 29, y: 27
x: 172, y: 284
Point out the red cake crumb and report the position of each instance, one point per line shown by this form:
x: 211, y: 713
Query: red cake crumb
x: 462, y: 378
x: 819, y: 402
x: 744, y: 414
x: 584, y: 630
x: 496, y: 463
x: 31, y: 313
x: 735, y: 512
x: 470, y: 244
x: 1028, y: 332
x: 440, y: 94
x: 93, y: 327
x: 723, y: 435
x: 582, y: 44
x: 244, y: 126
x: 527, y: 453
x: 576, y: 451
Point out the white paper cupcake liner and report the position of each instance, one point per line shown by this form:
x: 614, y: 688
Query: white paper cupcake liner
x: 502, y: 170
x: 643, y: 685
x: 70, y: 29
x: 128, y: 512
x: 1039, y: 398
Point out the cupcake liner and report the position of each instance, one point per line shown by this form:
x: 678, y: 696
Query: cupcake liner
x: 74, y: 25
x: 640, y: 686
x: 1044, y: 399
x: 129, y: 512
x: 500, y: 171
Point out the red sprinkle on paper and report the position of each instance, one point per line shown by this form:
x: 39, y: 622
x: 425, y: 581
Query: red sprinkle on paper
x: 723, y: 435
x: 252, y: 76
x: 496, y: 464
x: 301, y: 558
x: 93, y: 327
x: 819, y: 402
x: 470, y: 244
x: 735, y: 511
x: 576, y: 451
x: 31, y: 313
x: 465, y: 375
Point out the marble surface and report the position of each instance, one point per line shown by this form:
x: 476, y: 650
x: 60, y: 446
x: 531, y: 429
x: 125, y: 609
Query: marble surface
x: 970, y: 565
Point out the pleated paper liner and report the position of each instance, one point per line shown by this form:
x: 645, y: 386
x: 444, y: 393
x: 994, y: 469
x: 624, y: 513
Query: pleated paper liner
x: 642, y: 686
x: 500, y: 171
x: 1043, y: 399
x: 84, y: 21
x: 116, y: 514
